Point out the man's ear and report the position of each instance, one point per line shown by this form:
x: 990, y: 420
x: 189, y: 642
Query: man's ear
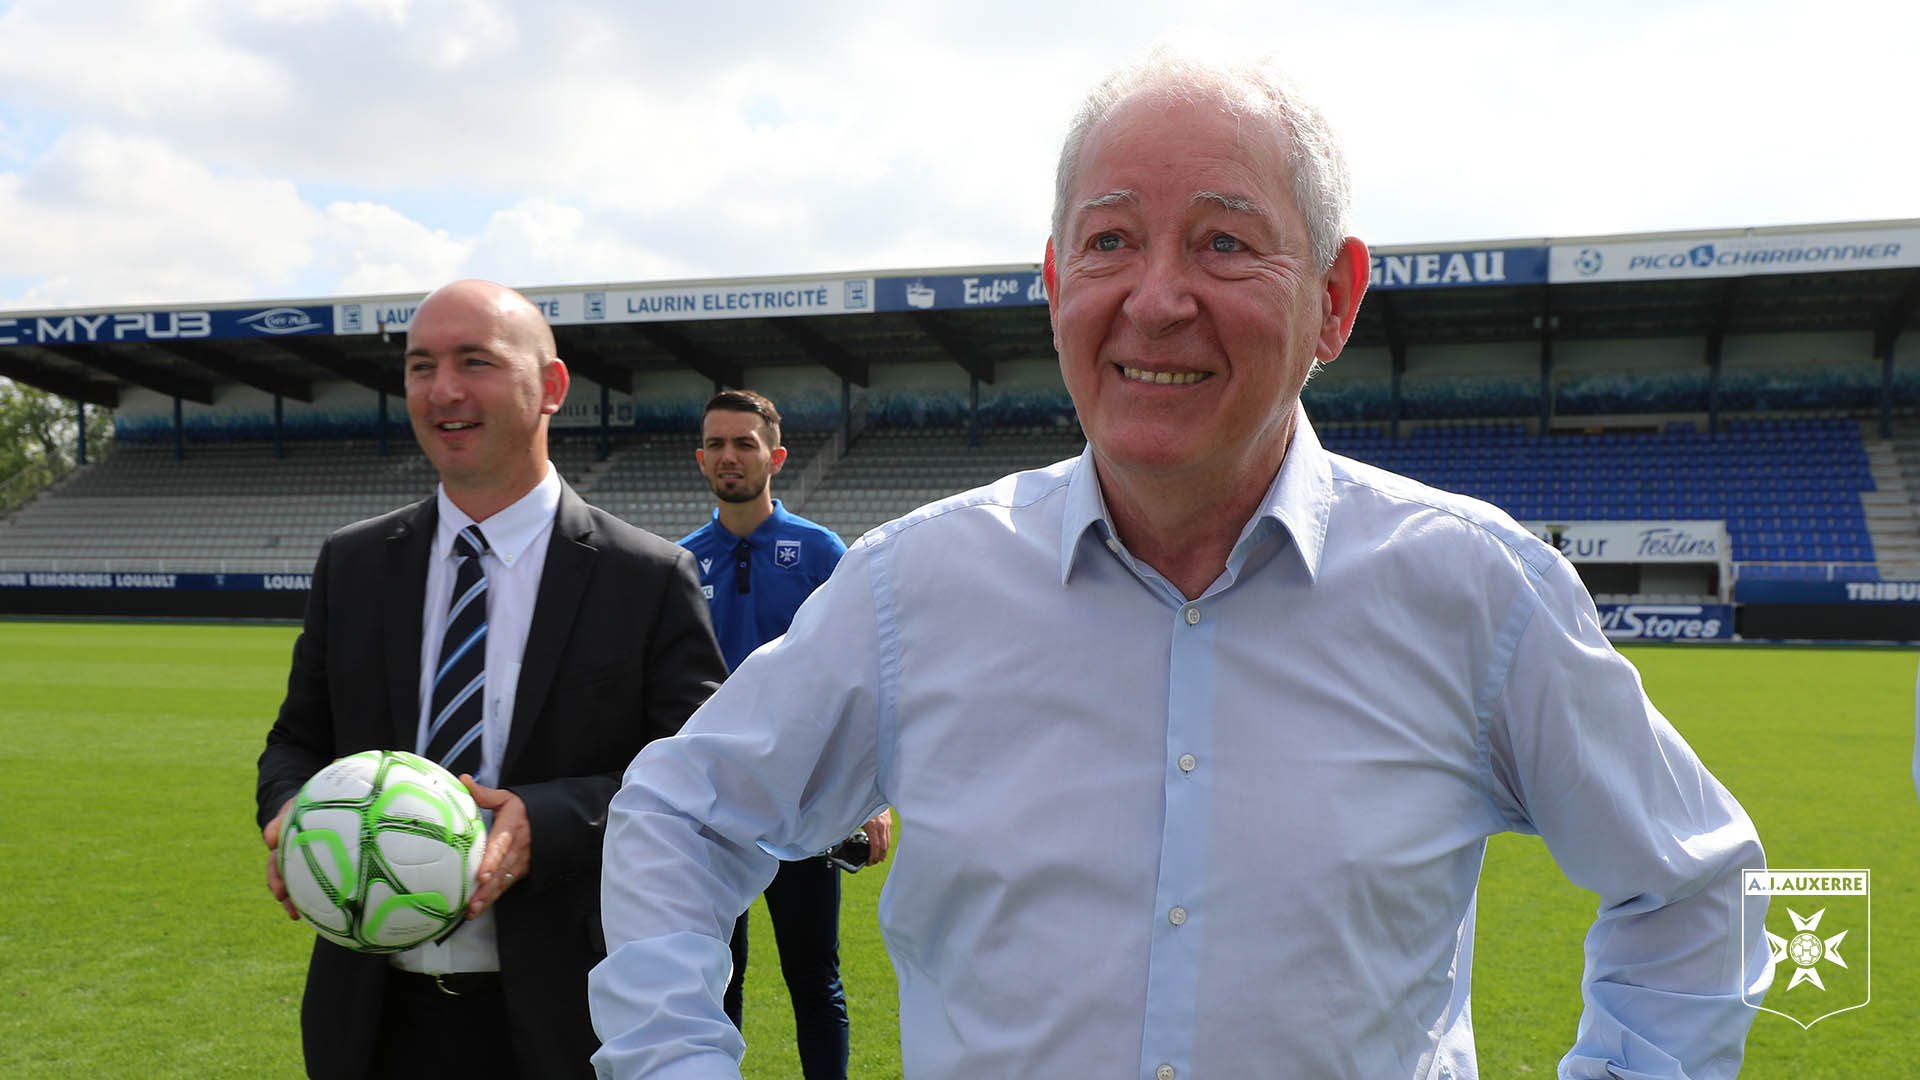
x: 1346, y: 285
x: 1051, y: 279
x: 776, y: 459
x: 554, y: 381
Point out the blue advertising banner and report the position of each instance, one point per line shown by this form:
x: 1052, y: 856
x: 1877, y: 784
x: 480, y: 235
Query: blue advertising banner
x: 1667, y: 622
x: 1827, y: 592
x: 936, y: 292
x: 81, y: 328
x: 1457, y: 269
x: 101, y: 579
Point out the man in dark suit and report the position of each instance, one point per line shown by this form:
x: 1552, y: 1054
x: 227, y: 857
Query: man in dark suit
x: 592, y: 639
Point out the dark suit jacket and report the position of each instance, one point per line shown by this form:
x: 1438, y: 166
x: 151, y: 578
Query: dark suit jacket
x: 619, y: 653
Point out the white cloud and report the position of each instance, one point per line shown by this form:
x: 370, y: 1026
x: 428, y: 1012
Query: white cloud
x: 101, y: 218
x: 149, y: 64
x: 376, y: 249
x: 299, y: 12
x: 538, y: 242
x: 1484, y: 125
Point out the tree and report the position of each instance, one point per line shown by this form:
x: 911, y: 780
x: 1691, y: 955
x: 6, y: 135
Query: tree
x: 37, y: 439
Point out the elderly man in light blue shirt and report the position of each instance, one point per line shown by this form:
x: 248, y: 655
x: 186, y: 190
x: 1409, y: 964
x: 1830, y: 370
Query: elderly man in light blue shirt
x: 1268, y: 703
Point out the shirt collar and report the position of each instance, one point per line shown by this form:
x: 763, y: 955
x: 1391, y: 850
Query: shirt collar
x: 1297, y: 501
x: 761, y: 533
x: 508, y: 532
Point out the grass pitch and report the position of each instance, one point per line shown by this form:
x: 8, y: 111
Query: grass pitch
x: 137, y: 937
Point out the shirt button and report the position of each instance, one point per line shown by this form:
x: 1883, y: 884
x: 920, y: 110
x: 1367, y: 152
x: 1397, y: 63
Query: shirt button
x: 1193, y: 616
x: 1187, y: 762
x: 1164, y: 1072
x: 1177, y: 916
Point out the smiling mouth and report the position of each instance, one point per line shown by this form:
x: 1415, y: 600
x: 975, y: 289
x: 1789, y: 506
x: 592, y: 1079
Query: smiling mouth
x: 457, y: 425
x: 1164, y: 378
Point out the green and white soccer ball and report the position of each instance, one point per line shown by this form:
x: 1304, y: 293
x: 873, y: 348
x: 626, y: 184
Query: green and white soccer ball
x: 380, y: 851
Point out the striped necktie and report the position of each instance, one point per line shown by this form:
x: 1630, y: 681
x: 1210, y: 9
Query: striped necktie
x: 459, y: 685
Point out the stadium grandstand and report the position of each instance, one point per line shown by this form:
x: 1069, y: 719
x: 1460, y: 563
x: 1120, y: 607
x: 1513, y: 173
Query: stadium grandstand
x: 1715, y: 426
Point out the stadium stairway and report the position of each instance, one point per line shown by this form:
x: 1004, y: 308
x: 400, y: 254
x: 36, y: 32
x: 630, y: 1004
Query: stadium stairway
x: 1893, y: 509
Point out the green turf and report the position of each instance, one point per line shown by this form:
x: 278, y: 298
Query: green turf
x: 1818, y: 746
x: 137, y: 937
x: 136, y: 934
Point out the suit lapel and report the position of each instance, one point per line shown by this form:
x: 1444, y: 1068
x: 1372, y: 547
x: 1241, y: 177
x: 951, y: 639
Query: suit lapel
x: 409, y: 545
x: 563, y: 581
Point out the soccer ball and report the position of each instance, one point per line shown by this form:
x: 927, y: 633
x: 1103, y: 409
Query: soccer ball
x: 380, y: 850
x: 1805, y: 949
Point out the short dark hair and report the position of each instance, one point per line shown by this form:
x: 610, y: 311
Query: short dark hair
x: 747, y: 401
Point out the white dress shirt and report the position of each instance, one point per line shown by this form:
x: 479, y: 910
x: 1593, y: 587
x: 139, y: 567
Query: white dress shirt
x: 1232, y: 837
x: 516, y: 557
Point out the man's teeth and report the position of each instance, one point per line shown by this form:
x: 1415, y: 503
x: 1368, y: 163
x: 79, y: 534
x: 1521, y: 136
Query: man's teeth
x: 457, y: 425
x: 1164, y: 378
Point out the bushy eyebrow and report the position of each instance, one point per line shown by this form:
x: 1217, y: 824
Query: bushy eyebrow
x: 1234, y: 203
x: 1111, y: 198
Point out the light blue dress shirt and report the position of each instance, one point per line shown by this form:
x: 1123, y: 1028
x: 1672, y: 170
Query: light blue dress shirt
x: 1234, y: 837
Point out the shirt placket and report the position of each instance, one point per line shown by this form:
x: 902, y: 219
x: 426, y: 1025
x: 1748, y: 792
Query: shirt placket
x: 1179, y: 916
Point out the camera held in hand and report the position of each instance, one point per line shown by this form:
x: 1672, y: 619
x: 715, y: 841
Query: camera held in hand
x: 852, y: 853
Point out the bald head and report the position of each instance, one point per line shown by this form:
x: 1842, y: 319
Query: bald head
x: 482, y: 378
x: 512, y: 314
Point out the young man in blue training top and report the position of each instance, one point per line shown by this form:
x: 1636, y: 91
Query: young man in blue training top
x: 758, y: 564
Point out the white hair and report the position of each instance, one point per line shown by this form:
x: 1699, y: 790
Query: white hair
x: 1255, y: 90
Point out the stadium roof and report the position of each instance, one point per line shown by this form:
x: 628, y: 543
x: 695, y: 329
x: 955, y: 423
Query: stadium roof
x: 1862, y: 276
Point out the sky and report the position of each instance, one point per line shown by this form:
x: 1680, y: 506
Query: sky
x: 157, y: 151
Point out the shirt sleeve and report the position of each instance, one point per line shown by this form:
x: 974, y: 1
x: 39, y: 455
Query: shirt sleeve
x: 1630, y: 813
x: 781, y: 762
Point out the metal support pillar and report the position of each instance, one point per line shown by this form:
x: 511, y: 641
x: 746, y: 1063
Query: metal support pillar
x: 1883, y: 345
x: 1549, y: 322
x: 1713, y: 385
x: 973, y: 412
x: 606, y: 422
